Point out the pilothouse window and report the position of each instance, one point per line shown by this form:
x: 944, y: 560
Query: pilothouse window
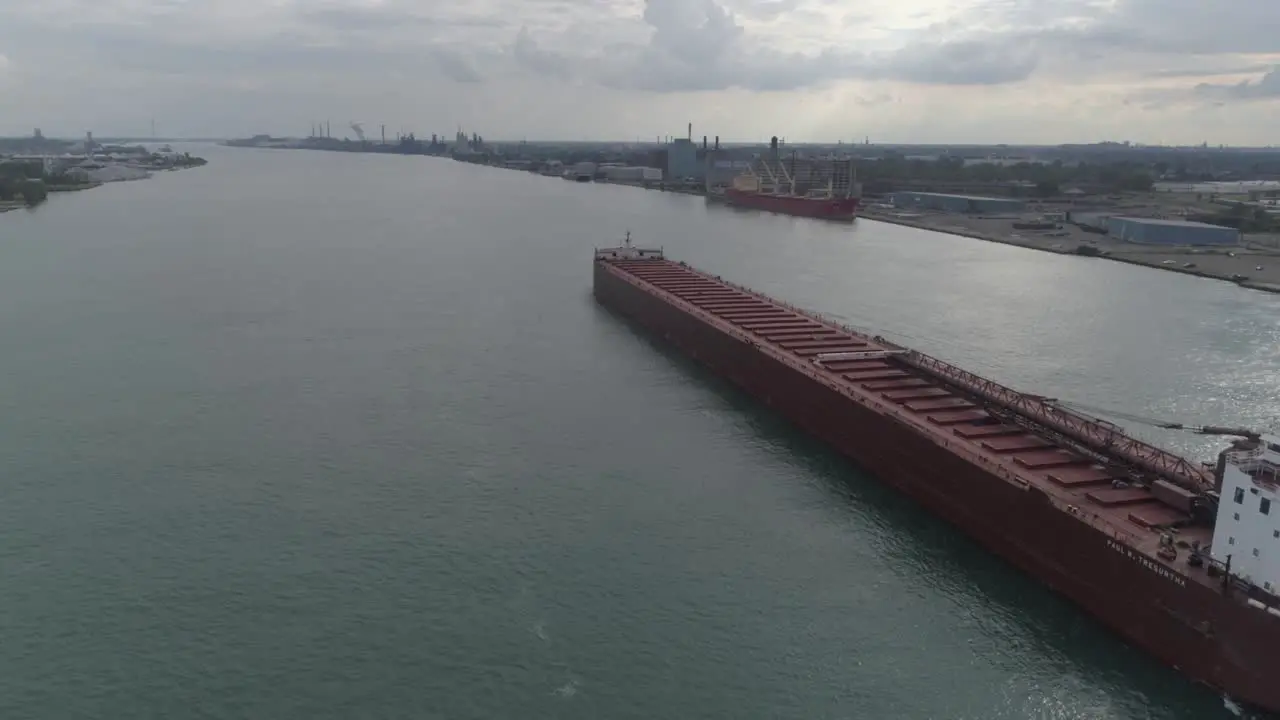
x: 1265, y: 507
x: 1239, y: 496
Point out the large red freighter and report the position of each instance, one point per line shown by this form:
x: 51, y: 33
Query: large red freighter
x: 1179, y: 559
x: 825, y: 208
x: 797, y: 186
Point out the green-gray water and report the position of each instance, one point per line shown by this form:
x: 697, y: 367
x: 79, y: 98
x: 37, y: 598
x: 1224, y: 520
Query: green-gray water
x: 307, y: 435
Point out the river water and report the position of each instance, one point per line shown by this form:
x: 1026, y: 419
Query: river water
x: 310, y: 435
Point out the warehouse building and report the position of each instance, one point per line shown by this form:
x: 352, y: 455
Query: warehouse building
x: 1094, y: 222
x: 1154, y: 231
x: 957, y: 203
x: 630, y: 174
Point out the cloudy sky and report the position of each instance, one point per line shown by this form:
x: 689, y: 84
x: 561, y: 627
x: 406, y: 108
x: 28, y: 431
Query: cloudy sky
x: 985, y: 71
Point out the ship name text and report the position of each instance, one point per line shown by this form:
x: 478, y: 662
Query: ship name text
x: 1148, y: 563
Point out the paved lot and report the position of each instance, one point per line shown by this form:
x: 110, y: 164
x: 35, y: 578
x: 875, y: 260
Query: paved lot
x: 1210, y: 262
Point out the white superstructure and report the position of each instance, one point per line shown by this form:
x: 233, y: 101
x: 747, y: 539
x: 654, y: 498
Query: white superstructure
x: 1247, y: 531
x: 627, y: 251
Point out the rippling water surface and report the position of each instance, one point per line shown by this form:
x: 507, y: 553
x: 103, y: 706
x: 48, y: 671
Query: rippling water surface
x: 322, y: 435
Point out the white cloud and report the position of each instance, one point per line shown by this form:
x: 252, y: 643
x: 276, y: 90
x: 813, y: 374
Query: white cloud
x: 701, y: 45
x: 927, y: 70
x: 1265, y: 87
x: 1254, y: 84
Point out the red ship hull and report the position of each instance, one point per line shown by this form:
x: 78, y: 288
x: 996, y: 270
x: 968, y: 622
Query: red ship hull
x: 844, y: 209
x: 1187, y: 623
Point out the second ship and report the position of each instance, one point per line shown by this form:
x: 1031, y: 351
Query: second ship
x: 794, y: 186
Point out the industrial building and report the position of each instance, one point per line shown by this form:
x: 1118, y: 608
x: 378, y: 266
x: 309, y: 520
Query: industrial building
x: 1170, y: 232
x: 957, y: 203
x: 721, y: 172
x: 630, y: 174
x: 1091, y: 221
x: 682, y: 159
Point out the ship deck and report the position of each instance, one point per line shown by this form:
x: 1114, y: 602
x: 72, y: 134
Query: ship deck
x: 953, y: 418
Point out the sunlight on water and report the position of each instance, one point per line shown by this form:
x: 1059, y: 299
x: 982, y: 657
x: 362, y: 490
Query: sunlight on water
x: 327, y: 435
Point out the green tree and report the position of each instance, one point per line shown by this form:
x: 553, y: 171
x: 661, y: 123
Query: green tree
x: 33, y: 192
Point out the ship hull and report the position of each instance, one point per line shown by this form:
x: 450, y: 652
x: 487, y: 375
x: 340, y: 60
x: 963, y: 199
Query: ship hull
x: 841, y: 209
x: 1197, y: 630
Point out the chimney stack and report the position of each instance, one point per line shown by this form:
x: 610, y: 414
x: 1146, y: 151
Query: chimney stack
x: 717, y: 142
x: 690, y: 132
x: 704, y: 142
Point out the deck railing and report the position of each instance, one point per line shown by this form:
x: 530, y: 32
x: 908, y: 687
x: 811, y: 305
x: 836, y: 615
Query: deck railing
x: 957, y: 446
x: 832, y: 380
x: 1100, y: 436
x: 1103, y: 437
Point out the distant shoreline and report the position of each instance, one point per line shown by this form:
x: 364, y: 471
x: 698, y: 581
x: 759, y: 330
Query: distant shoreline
x: 1155, y: 261
x: 1254, y: 263
x: 1155, y: 258
x: 1171, y: 259
x: 65, y: 187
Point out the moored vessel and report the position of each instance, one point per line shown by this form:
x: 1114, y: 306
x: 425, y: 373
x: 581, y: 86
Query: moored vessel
x: 1179, y: 558
x: 795, y: 186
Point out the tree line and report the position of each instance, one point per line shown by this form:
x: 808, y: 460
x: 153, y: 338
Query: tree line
x: 23, y: 180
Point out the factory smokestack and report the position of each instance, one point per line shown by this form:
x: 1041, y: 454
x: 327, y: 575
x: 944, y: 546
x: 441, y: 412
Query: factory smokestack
x: 704, y: 142
x: 717, y: 142
x: 690, y: 132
